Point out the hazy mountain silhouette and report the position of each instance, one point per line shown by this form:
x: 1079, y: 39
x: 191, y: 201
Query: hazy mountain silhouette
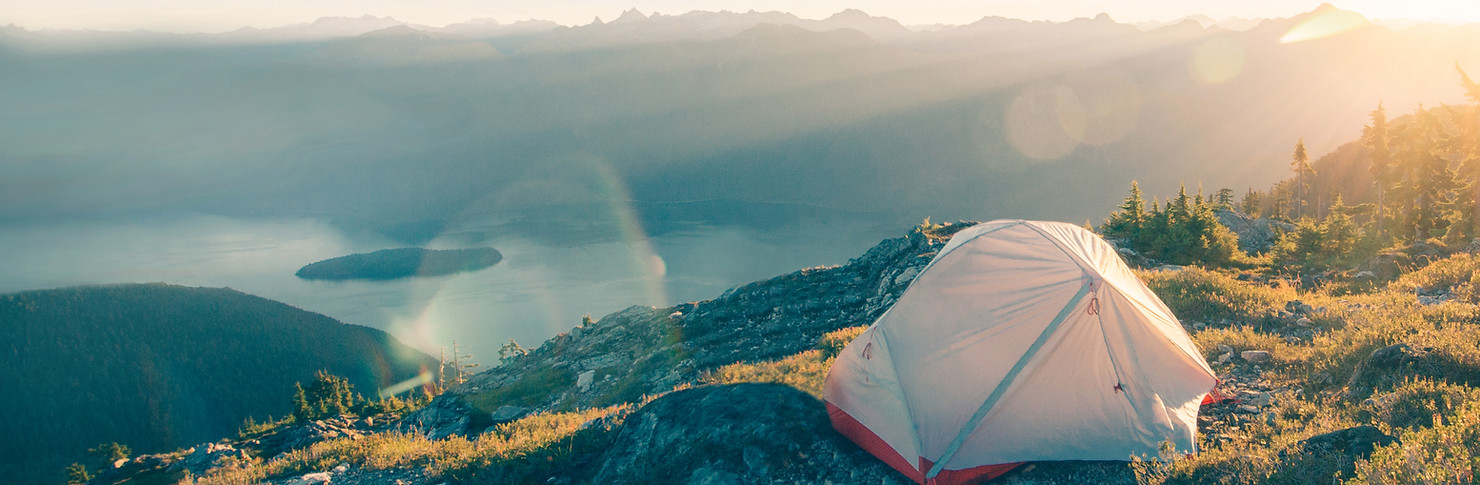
x: 409, y: 130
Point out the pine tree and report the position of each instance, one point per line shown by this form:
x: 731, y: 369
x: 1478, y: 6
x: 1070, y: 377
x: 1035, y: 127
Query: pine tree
x: 328, y: 395
x: 1467, y: 145
x: 1431, y: 184
x: 1252, y: 203
x: 301, y: 409
x: 1300, y: 163
x: 1127, y: 222
x: 1375, y: 138
x: 510, y: 351
x: 1224, y: 197
x: 77, y: 474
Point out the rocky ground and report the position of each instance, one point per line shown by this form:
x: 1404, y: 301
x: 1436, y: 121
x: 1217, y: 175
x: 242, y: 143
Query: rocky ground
x: 647, y: 351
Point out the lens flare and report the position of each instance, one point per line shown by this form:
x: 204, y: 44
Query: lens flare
x: 1216, y: 60
x: 420, y: 380
x: 1324, y: 23
x: 1045, y: 122
x: 577, y: 201
x: 1111, y: 102
x: 1091, y: 107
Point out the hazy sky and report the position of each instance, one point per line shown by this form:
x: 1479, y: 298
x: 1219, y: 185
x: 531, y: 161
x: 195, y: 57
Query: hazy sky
x: 222, y: 15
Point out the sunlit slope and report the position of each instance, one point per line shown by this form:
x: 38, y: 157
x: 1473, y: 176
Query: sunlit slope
x: 410, y: 133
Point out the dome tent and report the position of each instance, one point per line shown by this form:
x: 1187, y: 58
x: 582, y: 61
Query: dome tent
x: 1021, y: 341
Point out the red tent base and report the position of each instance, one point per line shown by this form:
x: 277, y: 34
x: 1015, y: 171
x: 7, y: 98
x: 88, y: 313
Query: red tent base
x: 876, y: 446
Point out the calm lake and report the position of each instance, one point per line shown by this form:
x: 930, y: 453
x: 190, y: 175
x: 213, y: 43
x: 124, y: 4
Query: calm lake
x: 538, y: 290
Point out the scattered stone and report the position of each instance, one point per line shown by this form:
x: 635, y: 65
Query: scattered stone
x: 1298, y: 307
x: 1247, y: 409
x: 1305, y: 322
x: 205, y: 457
x: 1253, y: 397
x: 1225, y: 358
x: 320, y: 478
x: 1255, y: 356
x: 1435, y: 299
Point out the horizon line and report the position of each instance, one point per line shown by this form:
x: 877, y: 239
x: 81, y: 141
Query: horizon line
x: 597, y: 20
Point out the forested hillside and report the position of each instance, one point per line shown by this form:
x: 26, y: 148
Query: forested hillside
x: 155, y: 367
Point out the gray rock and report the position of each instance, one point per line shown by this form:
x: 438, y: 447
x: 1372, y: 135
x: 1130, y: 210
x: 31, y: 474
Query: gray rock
x: 205, y: 457
x: 638, y: 350
x: 736, y: 434
x: 1255, y: 235
x: 1298, y: 307
x: 320, y: 478
x: 1387, y: 366
x: 446, y: 416
x: 506, y: 413
x: 583, y: 381
x: 1359, y: 441
x: 1255, y: 356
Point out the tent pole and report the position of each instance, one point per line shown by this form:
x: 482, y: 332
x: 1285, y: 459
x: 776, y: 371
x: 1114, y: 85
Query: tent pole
x: 1007, y: 380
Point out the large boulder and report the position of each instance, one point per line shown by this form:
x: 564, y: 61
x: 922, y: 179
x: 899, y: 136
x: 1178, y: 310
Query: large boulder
x: 1255, y: 235
x: 737, y: 434
x: 448, y: 415
x: 1358, y: 442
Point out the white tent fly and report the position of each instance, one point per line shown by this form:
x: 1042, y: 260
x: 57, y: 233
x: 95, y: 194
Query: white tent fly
x: 1021, y: 341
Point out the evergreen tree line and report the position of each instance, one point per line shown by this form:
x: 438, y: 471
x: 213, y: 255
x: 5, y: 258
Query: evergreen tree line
x: 1423, y: 184
x: 1421, y: 178
x: 1186, y: 231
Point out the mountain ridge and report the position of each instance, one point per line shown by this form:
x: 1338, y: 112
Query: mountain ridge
x: 106, y: 346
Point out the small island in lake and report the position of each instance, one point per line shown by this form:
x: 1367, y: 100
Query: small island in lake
x: 389, y: 264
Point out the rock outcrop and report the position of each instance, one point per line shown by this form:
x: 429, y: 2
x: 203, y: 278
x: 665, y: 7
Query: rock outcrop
x: 646, y: 351
x: 1255, y: 235
x: 1358, y: 442
x: 737, y: 434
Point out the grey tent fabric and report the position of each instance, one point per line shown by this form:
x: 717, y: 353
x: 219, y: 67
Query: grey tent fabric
x: 1022, y: 341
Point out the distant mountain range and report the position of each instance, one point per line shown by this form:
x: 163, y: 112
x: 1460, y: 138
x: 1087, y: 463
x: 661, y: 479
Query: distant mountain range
x: 414, y: 131
x: 157, y: 367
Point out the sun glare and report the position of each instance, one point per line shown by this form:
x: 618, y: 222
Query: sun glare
x: 1324, y: 23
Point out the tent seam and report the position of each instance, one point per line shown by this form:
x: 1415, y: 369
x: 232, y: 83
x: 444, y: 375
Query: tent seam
x: 941, y: 256
x: 1083, y: 265
x: 1115, y: 366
